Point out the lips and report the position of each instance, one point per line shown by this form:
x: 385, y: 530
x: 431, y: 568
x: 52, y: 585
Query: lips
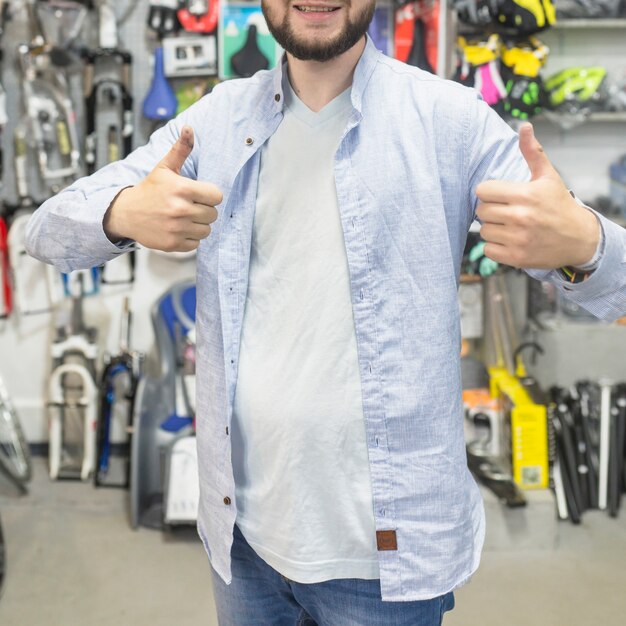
x: 316, y: 8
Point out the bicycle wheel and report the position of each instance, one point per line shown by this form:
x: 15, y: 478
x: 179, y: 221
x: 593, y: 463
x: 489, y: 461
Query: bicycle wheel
x: 14, y: 453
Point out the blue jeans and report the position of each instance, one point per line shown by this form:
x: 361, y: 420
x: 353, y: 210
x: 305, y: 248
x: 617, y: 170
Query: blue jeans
x: 259, y: 596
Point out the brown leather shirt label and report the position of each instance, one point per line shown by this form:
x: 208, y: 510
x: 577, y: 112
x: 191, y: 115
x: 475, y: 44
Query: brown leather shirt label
x: 386, y: 540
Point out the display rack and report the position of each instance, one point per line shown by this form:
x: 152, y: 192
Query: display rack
x: 590, y: 23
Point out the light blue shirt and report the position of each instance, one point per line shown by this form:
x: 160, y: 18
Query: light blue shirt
x: 406, y: 169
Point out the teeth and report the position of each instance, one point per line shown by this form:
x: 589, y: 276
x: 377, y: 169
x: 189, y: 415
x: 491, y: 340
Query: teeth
x: 316, y: 9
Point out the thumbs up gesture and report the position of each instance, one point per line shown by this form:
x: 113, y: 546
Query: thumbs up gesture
x: 165, y: 211
x: 535, y: 224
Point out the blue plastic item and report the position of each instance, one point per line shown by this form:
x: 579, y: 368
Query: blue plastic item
x: 161, y: 102
x: 176, y: 317
x: 85, y: 282
x: 156, y: 424
x: 617, y: 174
x: 379, y: 29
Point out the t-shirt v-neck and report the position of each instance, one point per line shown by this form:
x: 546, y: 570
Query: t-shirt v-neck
x: 312, y: 118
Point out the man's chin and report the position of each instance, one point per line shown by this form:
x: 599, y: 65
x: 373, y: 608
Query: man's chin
x: 313, y: 49
x: 314, y: 43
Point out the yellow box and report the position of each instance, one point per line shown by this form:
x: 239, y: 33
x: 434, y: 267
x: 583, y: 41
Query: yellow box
x: 528, y: 424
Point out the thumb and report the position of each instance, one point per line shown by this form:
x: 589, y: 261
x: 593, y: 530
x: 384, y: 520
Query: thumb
x: 179, y: 152
x: 533, y: 153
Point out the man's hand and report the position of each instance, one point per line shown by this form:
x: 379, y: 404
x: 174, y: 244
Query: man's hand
x: 165, y: 211
x: 536, y: 224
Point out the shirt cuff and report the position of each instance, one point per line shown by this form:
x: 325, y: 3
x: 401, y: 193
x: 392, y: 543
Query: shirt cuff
x: 101, y: 201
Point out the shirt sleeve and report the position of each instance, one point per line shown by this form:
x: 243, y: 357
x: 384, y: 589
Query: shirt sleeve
x: 493, y: 154
x: 66, y: 231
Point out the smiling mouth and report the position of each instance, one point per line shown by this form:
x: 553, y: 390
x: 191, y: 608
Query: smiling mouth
x: 312, y: 9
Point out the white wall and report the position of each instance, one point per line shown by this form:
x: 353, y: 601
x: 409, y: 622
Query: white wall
x: 25, y: 342
x: 581, y: 155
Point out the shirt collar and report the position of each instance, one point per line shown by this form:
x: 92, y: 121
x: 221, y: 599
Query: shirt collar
x: 362, y: 74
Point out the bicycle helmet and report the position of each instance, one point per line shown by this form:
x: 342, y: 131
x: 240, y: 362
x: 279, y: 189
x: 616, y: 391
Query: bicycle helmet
x: 577, y: 89
x: 525, y: 16
x: 521, y: 62
x: 476, y: 12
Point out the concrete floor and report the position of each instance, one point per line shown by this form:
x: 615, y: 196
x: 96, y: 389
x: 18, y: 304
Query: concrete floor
x: 74, y: 561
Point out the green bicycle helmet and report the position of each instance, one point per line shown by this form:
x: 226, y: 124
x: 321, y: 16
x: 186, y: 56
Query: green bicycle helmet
x: 577, y: 88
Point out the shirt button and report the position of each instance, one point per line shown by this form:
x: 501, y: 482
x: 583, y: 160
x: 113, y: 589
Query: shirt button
x: 226, y: 500
x: 277, y: 97
x: 249, y: 141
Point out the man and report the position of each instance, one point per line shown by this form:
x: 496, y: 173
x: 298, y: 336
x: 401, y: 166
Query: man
x: 327, y: 318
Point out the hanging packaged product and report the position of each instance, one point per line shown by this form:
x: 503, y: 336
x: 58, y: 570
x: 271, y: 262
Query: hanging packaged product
x: 194, y: 55
x: 478, y: 67
x: 249, y: 59
x: 245, y: 43
x: 519, y: 68
x: 162, y: 18
x: 199, y: 16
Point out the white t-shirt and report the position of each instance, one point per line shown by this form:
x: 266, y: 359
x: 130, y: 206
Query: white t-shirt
x: 303, y: 489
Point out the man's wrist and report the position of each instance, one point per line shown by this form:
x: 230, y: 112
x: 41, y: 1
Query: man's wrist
x: 589, y: 239
x: 112, y: 224
x: 582, y: 271
x: 595, y: 259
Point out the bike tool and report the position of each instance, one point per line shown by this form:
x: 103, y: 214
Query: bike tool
x: 108, y: 117
x: 73, y: 397
x: 49, y: 110
x: 117, y: 389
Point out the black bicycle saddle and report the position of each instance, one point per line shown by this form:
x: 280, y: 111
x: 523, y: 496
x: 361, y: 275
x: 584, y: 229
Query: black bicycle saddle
x: 249, y: 59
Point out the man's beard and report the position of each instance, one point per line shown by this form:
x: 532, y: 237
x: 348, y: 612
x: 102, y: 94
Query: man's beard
x: 324, y: 50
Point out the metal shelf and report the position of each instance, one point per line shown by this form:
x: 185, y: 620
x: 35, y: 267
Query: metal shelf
x: 608, y: 116
x: 601, y: 116
x: 617, y: 22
